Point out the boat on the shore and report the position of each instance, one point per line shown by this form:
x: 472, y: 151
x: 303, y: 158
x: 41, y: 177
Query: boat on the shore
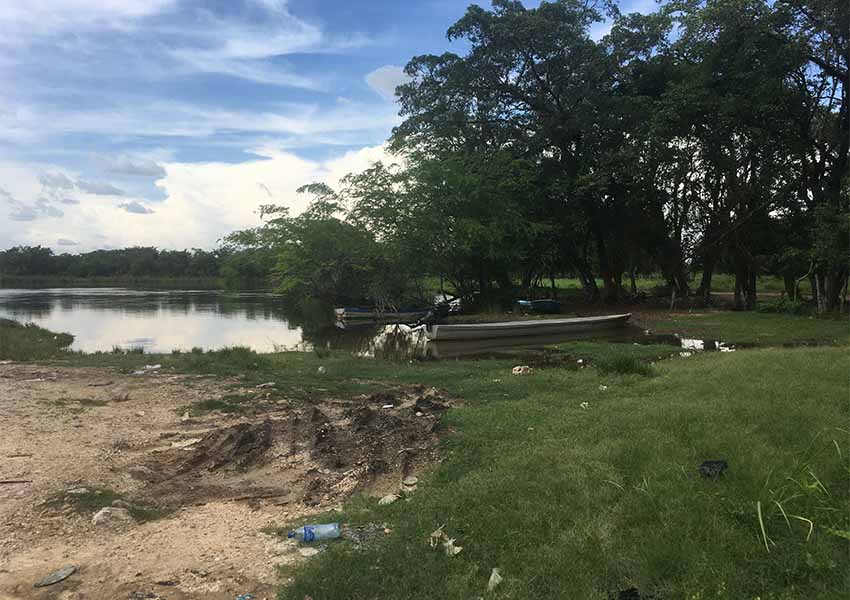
x: 351, y: 313
x: 547, y: 306
x: 532, y: 327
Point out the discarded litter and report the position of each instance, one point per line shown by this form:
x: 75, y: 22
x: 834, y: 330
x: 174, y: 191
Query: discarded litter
x: 602, y: 388
x: 388, y: 406
x: 521, y: 370
x: 439, y: 537
x: 268, y: 384
x: 244, y: 597
x: 584, y: 405
x: 495, y: 579
x: 315, y: 533
x: 321, y: 370
x: 146, y: 369
x: 388, y: 499
x: 712, y: 469
x: 110, y: 514
x: 685, y: 354
x: 56, y: 576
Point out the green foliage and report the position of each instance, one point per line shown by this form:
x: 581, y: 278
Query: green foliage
x: 20, y: 341
x: 624, y: 365
x: 782, y: 305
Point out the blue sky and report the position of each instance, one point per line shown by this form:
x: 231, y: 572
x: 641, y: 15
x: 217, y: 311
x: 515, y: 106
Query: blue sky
x: 168, y: 122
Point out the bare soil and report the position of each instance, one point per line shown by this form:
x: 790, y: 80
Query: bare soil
x: 224, y: 477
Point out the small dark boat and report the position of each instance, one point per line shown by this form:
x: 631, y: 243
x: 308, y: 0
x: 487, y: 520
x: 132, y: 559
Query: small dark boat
x: 547, y: 306
x: 348, y: 313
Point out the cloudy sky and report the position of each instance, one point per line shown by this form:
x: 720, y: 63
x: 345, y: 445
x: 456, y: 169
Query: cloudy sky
x: 168, y: 122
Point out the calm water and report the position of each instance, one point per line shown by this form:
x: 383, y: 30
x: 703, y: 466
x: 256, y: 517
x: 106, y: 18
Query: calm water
x: 158, y: 321
x: 161, y: 321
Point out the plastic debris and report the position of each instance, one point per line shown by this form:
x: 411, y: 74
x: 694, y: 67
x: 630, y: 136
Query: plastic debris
x: 268, y: 384
x: 57, y: 576
x: 147, y: 369
x: 602, y: 388
x: 712, y: 469
x: 245, y: 597
x: 495, y: 579
x: 685, y: 354
x: 584, y: 405
x: 388, y: 406
x: 450, y: 548
x: 438, y: 537
x: 321, y: 370
x: 315, y: 533
x: 388, y: 499
x: 521, y: 370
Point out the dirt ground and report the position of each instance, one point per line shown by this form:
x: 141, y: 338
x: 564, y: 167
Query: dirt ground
x: 69, y: 432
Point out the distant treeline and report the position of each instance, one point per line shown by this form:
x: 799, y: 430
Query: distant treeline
x: 139, y: 265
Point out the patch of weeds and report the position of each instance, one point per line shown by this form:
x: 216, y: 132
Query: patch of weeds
x: 90, y: 500
x: 624, y: 365
x: 91, y: 402
x: 20, y: 341
x: 229, y: 403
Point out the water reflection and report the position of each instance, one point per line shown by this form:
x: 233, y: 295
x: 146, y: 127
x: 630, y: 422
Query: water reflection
x: 160, y: 321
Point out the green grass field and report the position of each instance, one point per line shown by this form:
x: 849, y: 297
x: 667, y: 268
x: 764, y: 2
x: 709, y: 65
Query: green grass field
x: 573, y: 501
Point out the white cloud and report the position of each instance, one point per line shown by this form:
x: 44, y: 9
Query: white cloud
x: 125, y: 164
x: 134, y: 116
x: 44, y: 16
x: 98, y: 188
x: 386, y: 79
x: 136, y: 208
x: 204, y: 201
x: 65, y: 242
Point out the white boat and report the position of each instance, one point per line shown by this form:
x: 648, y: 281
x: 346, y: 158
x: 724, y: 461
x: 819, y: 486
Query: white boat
x: 535, y: 327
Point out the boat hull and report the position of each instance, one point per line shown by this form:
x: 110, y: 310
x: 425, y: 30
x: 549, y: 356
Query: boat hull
x: 514, y: 329
x: 374, y: 315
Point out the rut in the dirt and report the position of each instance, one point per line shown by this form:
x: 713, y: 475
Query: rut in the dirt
x: 315, y: 454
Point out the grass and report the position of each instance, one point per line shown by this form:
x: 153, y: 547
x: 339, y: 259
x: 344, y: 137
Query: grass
x: 20, y: 341
x: 751, y: 327
x: 722, y: 283
x: 581, y: 503
x: 93, y: 499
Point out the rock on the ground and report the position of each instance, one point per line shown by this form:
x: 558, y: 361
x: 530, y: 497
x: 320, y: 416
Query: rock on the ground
x: 388, y: 499
x: 111, y: 514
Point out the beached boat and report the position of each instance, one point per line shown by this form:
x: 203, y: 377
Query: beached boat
x: 349, y: 313
x: 512, y: 329
x: 540, y: 306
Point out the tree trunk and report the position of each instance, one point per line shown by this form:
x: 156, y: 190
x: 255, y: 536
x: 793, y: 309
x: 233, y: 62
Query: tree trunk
x: 708, y: 265
x: 790, y: 285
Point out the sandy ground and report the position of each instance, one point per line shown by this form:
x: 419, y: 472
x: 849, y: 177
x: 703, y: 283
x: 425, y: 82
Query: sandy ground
x: 227, y: 477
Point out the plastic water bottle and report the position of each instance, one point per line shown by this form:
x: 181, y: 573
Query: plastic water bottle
x: 315, y: 533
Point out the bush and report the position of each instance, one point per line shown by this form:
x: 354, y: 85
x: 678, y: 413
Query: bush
x: 623, y: 365
x: 782, y: 306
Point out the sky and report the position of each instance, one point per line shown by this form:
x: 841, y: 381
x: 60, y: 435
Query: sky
x: 169, y: 122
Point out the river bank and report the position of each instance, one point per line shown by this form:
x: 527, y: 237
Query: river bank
x: 577, y: 479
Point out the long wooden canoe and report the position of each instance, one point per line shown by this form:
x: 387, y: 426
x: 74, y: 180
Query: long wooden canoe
x: 510, y: 329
